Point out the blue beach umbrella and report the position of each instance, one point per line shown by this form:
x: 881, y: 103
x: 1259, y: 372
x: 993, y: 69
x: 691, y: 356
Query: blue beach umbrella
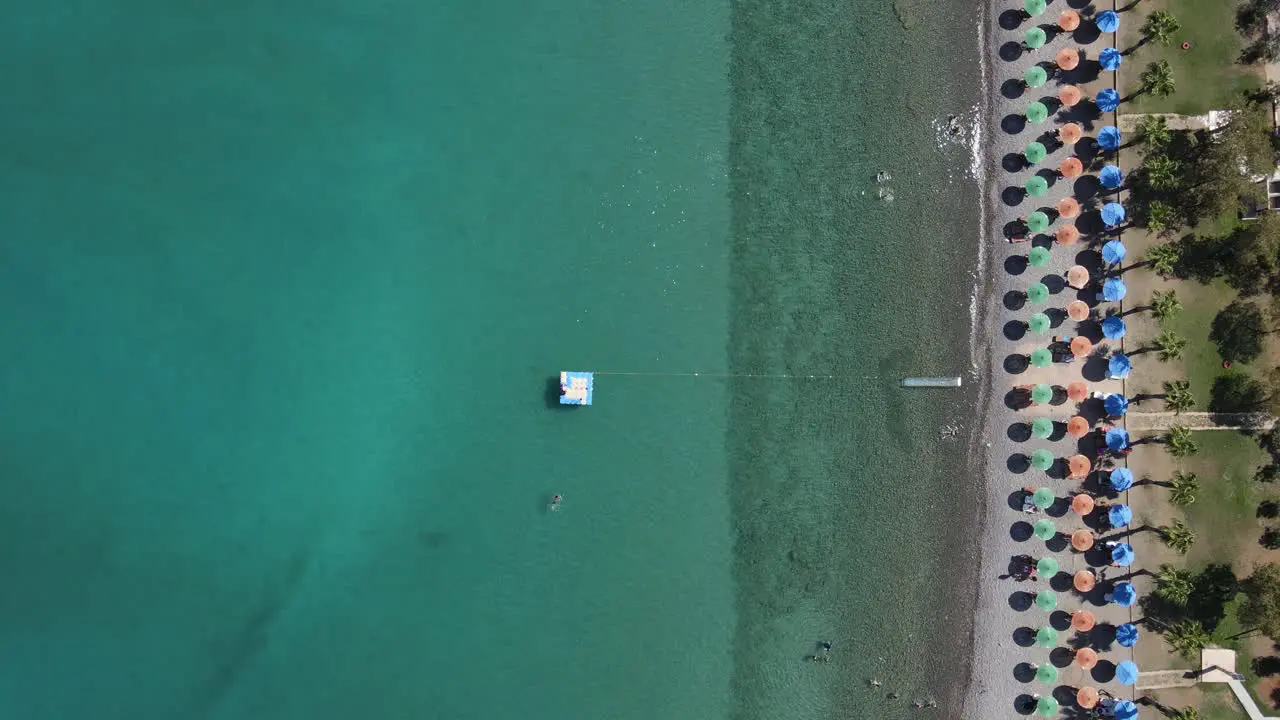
x: 1108, y: 21
x: 1110, y: 177
x: 1122, y: 555
x: 1113, y: 214
x: 1110, y: 59
x: 1118, y: 366
x: 1113, y: 251
x: 1119, y: 515
x: 1113, y: 290
x: 1124, y: 595
x: 1125, y: 709
x: 1109, y: 138
x: 1126, y: 673
x: 1117, y: 438
x: 1116, y: 404
x: 1121, y: 479
x: 1107, y: 99
x: 1127, y: 635
x: 1113, y: 328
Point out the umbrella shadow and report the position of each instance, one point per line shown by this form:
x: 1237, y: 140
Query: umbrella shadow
x: 1013, y: 195
x: 1013, y: 229
x: 1021, y: 600
x: 1057, y: 316
x: 1054, y: 282
x: 1024, y: 704
x: 1015, y: 500
x: 1103, y: 672
x: 1059, y: 398
x: 1019, y: 431
x: 1050, y: 176
x: 1066, y: 696
x: 1090, y: 258
x: 1102, y: 636
x: 1016, y: 363
x: 1098, y: 556
x: 1024, y: 672
x: 1018, y: 463
x: 1020, y: 531
x: 1086, y: 187
x: 1057, y: 471
x: 1085, y: 114
x: 1094, y: 369
x: 1011, y: 19
x: 1086, y: 34
x: 1013, y: 123
x: 1057, y: 543
x: 1060, y: 582
x: 1043, y: 241
x: 1090, y: 223
x: 1015, y: 300
x: 1011, y: 51
x: 1013, y: 89
x: 1024, y: 637
x: 1061, y: 657
x: 1014, y: 162
x: 1060, y: 620
x: 1059, y: 508
x: 1015, y: 330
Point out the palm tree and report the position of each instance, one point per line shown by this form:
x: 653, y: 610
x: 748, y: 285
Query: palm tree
x: 1178, y: 536
x: 1174, y: 585
x: 1187, y: 637
x: 1179, y: 441
x: 1183, y: 487
x: 1177, y: 396
x: 1157, y: 79
x: 1186, y: 713
x: 1169, y: 345
x: 1154, y: 132
x: 1162, y: 171
x: 1165, y: 305
x: 1164, y: 258
x: 1160, y: 28
x: 1159, y: 216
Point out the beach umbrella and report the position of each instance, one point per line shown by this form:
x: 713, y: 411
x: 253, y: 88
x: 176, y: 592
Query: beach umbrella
x: 1041, y: 358
x: 1078, y: 466
x: 1036, y: 186
x: 1067, y: 58
x: 1078, y: 427
x: 1035, y: 151
x: 1035, y: 7
x: 1087, y: 697
x: 1081, y: 346
x: 1119, y: 515
x: 1070, y: 133
x: 1113, y: 214
x: 1042, y: 428
x: 1082, y: 540
x: 1113, y: 251
x: 1124, y: 594
x: 1037, y: 293
x: 1113, y: 290
x: 1035, y: 38
x: 1127, y: 635
x: 1068, y: 207
x: 1117, y: 439
x: 1121, y: 479
x: 1125, y: 710
x: 1113, y: 327
x: 1110, y: 59
x: 1116, y: 404
x: 1071, y: 168
x: 1042, y: 498
x: 1037, y: 112
x: 1067, y: 234
x: 1047, y: 674
x: 1118, y: 366
x: 1077, y: 391
x: 1122, y: 555
x: 1107, y: 99
x: 1047, y: 600
x: 1038, y: 257
x: 1107, y: 21
x: 1077, y: 276
x: 1077, y: 310
x: 1042, y: 460
x: 1046, y: 637
x: 1126, y: 673
x: 1069, y: 20
x: 1047, y: 567
x: 1037, y: 222
x: 1035, y: 77
x: 1082, y: 504
x: 1046, y: 706
x: 1045, y: 530
x: 1109, y: 138
x: 1042, y: 393
x: 1086, y: 658
x: 1083, y: 580
x: 1039, y: 323
x: 1070, y: 95
x: 1110, y: 177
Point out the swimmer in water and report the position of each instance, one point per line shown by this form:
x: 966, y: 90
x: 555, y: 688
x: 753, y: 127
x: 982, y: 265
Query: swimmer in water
x: 555, y: 503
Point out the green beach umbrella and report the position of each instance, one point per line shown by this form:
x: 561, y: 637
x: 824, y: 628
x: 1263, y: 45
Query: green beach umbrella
x: 1042, y: 428
x: 1043, y: 497
x: 1039, y: 323
x: 1046, y: 637
x: 1046, y: 568
x: 1041, y: 358
x: 1042, y: 393
x: 1036, y: 186
x: 1036, y: 38
x: 1046, y: 706
x: 1038, y: 293
x: 1035, y: 7
x: 1047, y: 674
x: 1038, y: 257
x: 1037, y: 113
x: 1035, y: 76
x: 1042, y: 460
x: 1045, y: 531
x: 1038, y: 222
x: 1035, y: 152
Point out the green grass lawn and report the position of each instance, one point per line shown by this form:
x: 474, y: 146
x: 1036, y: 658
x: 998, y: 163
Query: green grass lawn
x: 1208, y: 76
x: 1200, y: 360
x: 1224, y: 514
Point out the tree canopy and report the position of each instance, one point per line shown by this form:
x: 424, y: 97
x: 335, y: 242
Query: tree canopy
x: 1238, y: 331
x: 1261, y: 606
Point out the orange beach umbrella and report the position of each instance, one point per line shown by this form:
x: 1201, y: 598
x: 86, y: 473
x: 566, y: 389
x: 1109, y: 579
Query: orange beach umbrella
x: 1069, y: 20
x: 1070, y: 95
x: 1081, y: 540
x: 1077, y: 276
x: 1068, y: 207
x: 1083, y: 621
x: 1067, y: 234
x: 1087, y: 697
x: 1071, y: 167
x: 1082, y: 504
x: 1077, y: 310
x: 1081, y: 346
x: 1077, y: 391
x: 1067, y: 59
x: 1086, y: 658
x: 1078, y: 427
x: 1070, y: 133
x: 1078, y: 466
x: 1083, y: 581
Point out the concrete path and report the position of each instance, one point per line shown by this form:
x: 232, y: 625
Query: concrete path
x: 1160, y: 679
x: 1158, y: 421
x: 1129, y: 123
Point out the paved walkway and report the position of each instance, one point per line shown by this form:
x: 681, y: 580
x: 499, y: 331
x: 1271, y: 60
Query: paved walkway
x: 1157, y: 421
x: 1129, y: 123
x: 1160, y: 679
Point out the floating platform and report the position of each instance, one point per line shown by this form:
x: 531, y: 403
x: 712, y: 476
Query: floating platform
x: 931, y: 382
x: 576, y: 387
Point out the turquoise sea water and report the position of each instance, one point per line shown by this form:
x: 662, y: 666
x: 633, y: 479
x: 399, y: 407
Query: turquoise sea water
x: 285, y: 285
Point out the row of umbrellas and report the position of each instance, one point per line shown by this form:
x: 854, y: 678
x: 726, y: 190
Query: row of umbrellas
x: 1107, y: 21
